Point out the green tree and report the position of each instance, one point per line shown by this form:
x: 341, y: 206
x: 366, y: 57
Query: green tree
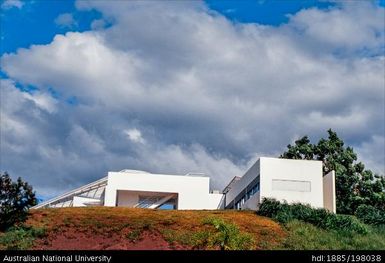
x: 15, y: 200
x: 355, y: 185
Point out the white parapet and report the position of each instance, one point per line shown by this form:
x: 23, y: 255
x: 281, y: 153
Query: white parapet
x: 329, y: 191
x: 295, y: 181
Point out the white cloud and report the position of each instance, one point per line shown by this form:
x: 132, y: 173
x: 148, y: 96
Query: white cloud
x: 66, y: 20
x: 134, y: 135
x: 62, y: 149
x: 8, y: 4
x: 43, y: 101
x: 195, y: 158
x: 345, y: 33
x: 188, y: 90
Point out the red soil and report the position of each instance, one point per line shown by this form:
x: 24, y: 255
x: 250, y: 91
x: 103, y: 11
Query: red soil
x: 102, y: 228
x: 74, y: 240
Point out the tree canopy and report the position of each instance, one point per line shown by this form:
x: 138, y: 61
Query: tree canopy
x: 355, y: 185
x: 15, y: 200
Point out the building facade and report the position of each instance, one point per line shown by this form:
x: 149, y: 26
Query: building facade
x: 293, y: 181
x: 133, y: 188
x: 285, y: 180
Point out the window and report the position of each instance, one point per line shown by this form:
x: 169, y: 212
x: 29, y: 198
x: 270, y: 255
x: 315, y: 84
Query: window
x: 291, y: 185
x: 245, y: 194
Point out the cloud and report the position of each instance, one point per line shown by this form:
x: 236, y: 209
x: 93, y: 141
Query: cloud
x: 98, y: 24
x: 66, y: 20
x: 372, y: 154
x: 57, y: 150
x: 188, y: 90
x: 134, y: 135
x: 8, y: 4
x: 346, y: 34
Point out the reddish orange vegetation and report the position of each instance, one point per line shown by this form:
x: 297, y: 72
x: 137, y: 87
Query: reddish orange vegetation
x: 70, y: 239
x: 128, y: 228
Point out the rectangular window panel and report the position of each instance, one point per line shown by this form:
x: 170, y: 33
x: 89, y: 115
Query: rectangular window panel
x: 291, y: 185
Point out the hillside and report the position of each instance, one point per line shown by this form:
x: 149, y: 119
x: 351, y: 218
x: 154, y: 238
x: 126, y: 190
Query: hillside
x: 136, y: 229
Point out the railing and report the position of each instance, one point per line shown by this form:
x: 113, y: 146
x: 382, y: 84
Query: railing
x: 78, y: 191
x: 153, y: 201
x: 147, y: 202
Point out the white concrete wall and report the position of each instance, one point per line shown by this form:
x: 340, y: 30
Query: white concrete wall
x: 215, y: 201
x: 329, y: 191
x: 294, y: 180
x: 282, y: 179
x: 193, y: 191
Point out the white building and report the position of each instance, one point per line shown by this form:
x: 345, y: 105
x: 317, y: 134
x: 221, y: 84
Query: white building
x: 282, y: 179
x: 285, y: 180
x: 132, y: 188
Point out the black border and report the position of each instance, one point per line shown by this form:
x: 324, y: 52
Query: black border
x: 327, y: 256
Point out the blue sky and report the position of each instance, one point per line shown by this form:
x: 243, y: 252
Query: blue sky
x: 262, y: 11
x: 177, y: 87
x: 34, y: 23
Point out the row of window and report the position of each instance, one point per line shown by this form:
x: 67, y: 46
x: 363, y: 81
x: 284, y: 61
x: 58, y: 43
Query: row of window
x: 247, y: 196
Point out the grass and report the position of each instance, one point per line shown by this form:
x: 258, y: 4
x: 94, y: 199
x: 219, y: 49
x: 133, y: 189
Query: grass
x: 173, y: 236
x: 134, y: 235
x: 20, y: 238
x: 305, y: 236
x: 191, y: 229
x: 229, y: 229
x: 227, y: 236
x: 215, y: 233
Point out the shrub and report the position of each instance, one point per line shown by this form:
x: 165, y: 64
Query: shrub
x: 284, y: 213
x: 319, y: 217
x: 345, y: 223
x: 269, y: 207
x: 227, y: 236
x: 283, y: 217
x: 370, y: 215
x: 20, y: 238
x: 300, y: 211
x: 15, y: 200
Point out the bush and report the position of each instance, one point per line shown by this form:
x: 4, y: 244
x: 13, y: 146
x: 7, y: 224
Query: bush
x: 345, y: 223
x: 370, y: 215
x: 319, y: 217
x: 227, y: 236
x: 301, y: 212
x: 284, y: 213
x: 269, y: 207
x: 284, y: 217
x: 20, y: 238
x: 15, y: 200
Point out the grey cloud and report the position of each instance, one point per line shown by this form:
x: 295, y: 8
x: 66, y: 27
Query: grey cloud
x: 205, y: 94
x: 372, y: 153
x: 338, y: 28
